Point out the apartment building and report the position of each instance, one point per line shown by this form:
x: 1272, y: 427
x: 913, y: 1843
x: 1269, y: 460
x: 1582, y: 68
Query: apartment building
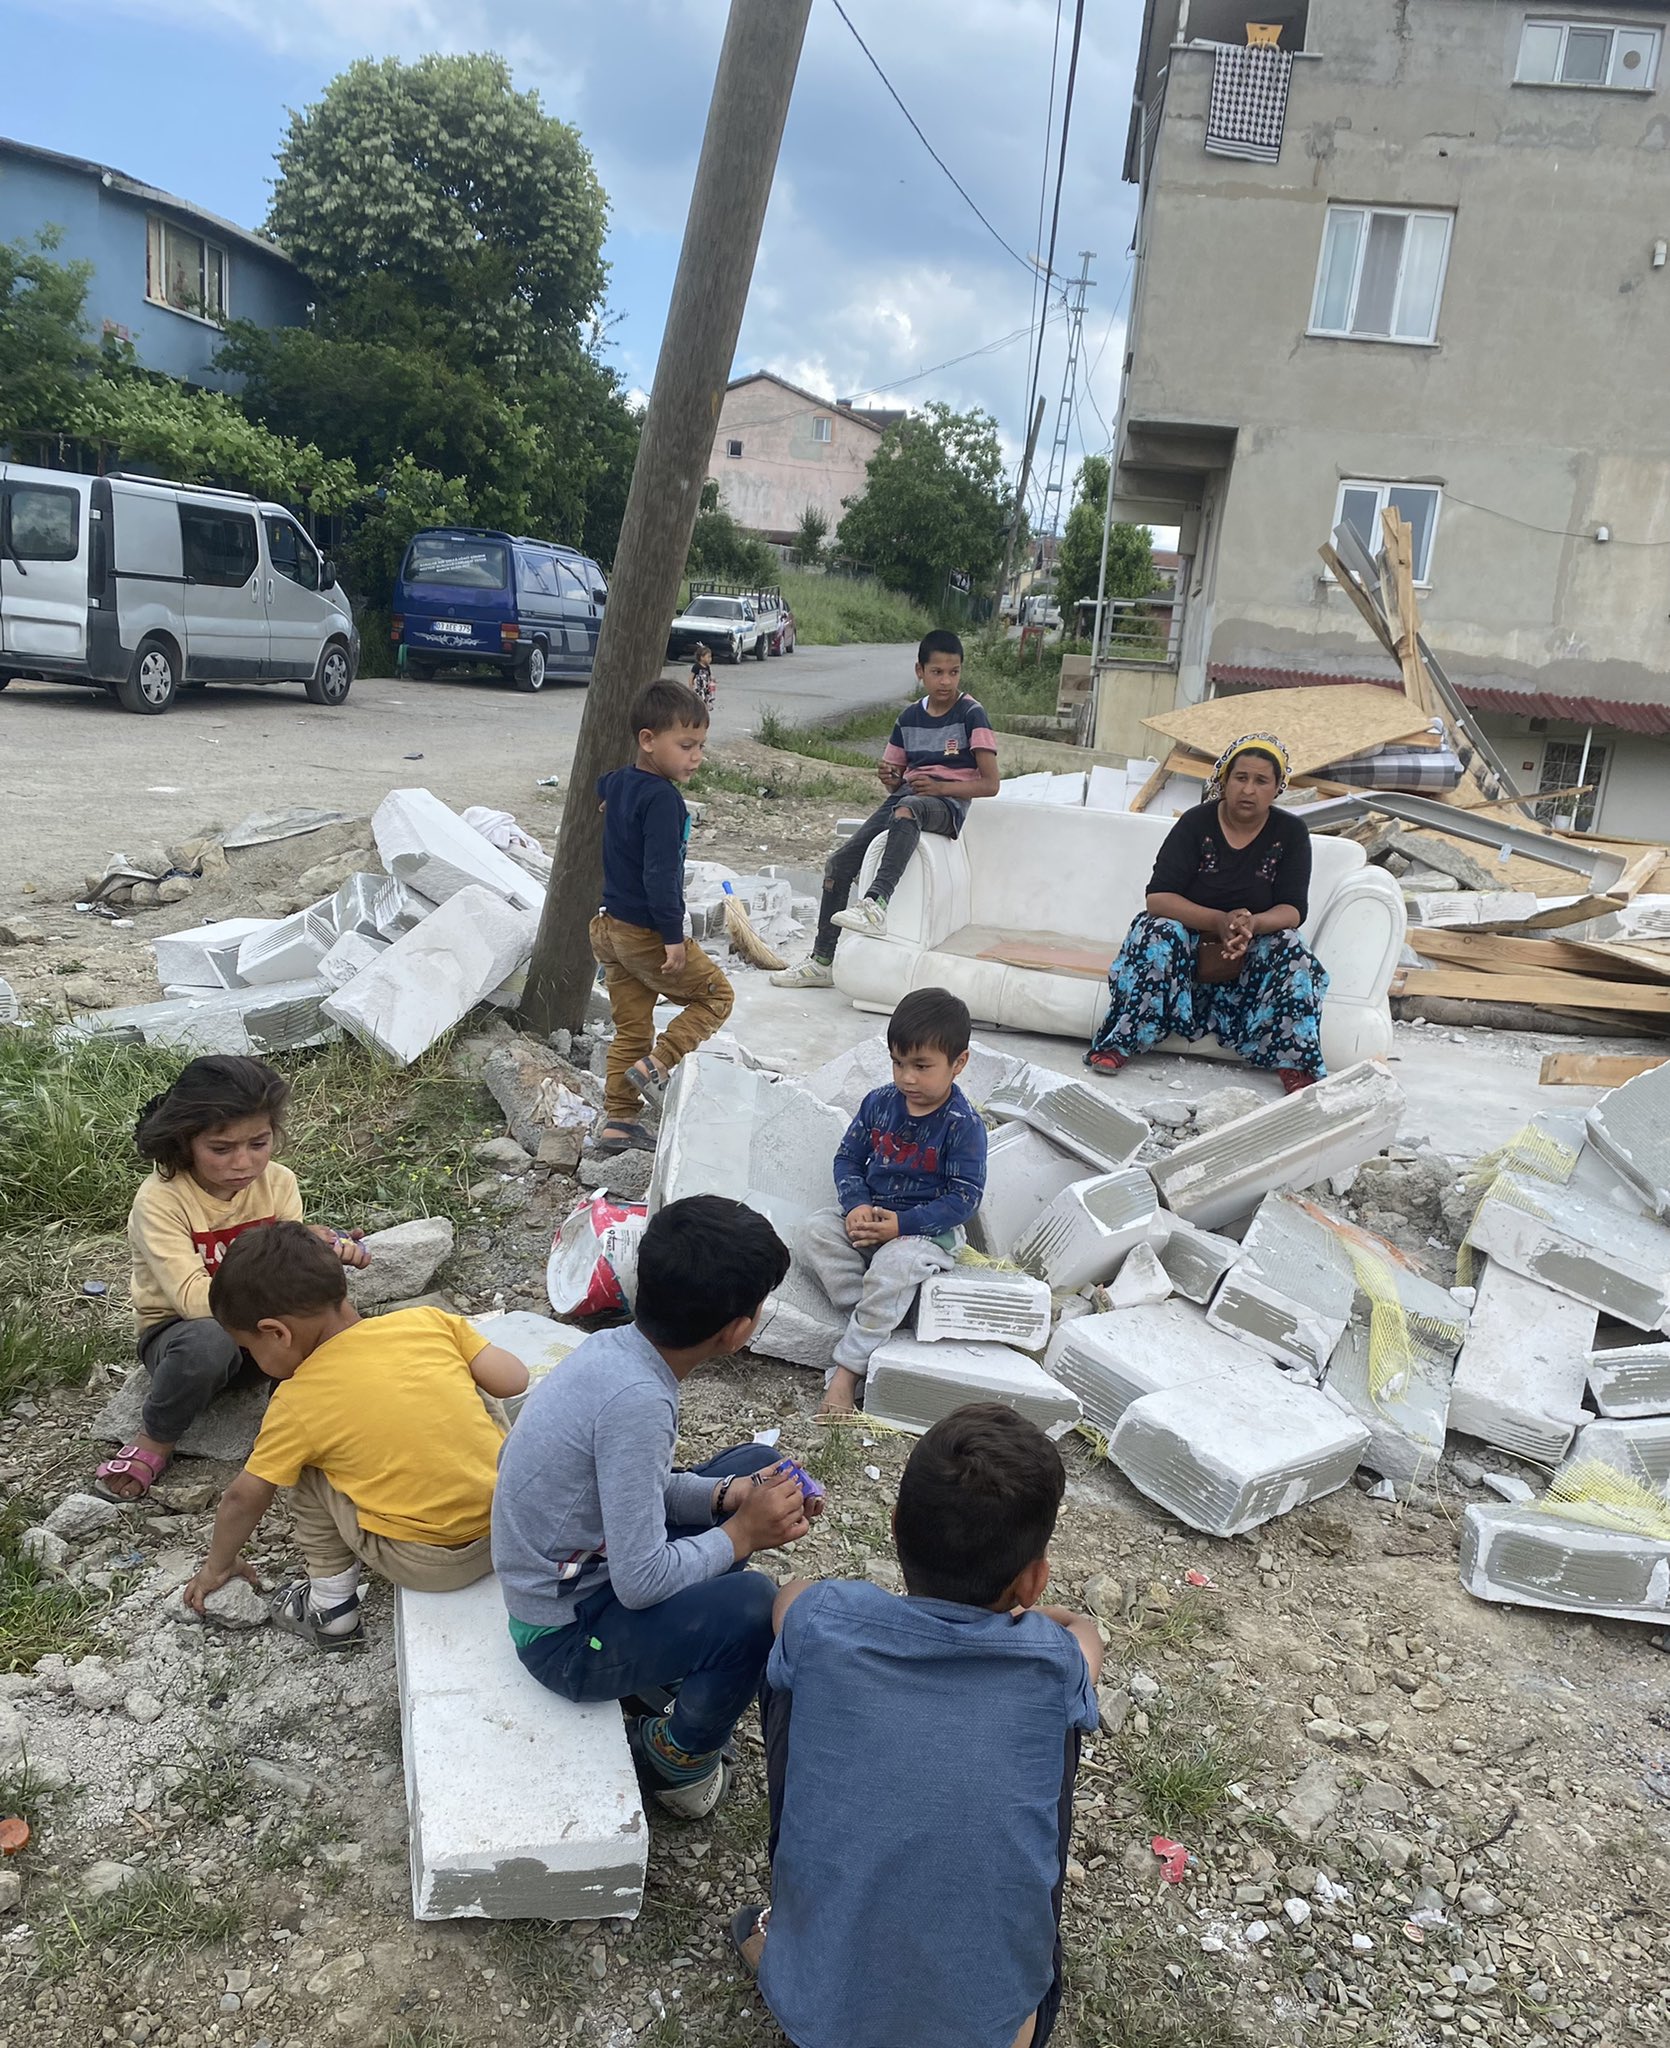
x: 779, y: 449
x: 1412, y: 252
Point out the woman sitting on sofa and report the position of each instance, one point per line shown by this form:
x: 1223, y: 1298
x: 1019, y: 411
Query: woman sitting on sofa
x: 1218, y: 947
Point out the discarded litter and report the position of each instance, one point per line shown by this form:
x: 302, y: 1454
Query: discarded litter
x: 1174, y: 1858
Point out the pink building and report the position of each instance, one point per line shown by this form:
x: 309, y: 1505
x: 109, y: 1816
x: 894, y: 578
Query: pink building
x: 779, y: 449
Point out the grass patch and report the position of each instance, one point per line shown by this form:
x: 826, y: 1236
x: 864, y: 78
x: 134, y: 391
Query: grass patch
x: 771, y: 784
x: 429, y: 2033
x: 42, y: 1346
x: 836, y: 611
x: 26, y: 1794
x: 836, y: 1453
x: 214, y: 1784
x: 362, y: 1135
x: 1136, y: 1990
x: 828, y: 742
x: 39, y: 1615
x: 155, y: 1918
x: 1181, y: 1770
x: 1179, y: 1626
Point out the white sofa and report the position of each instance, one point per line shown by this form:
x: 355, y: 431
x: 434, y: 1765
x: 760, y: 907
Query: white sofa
x: 1057, y: 875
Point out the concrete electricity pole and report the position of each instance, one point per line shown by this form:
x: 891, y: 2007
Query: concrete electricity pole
x: 721, y: 235
x: 1019, y: 510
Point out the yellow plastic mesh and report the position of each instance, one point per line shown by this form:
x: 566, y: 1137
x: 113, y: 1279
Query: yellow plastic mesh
x: 968, y: 1256
x: 1528, y: 1151
x: 1588, y: 1490
x: 1391, y: 1356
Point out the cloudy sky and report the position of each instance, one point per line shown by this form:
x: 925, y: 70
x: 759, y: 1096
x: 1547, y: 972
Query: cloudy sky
x: 871, y: 269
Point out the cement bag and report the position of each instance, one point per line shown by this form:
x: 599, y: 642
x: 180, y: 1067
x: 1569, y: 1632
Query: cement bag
x: 594, y: 1259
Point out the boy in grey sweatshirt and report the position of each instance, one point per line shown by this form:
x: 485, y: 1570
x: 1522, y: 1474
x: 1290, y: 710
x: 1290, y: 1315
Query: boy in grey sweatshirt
x: 621, y: 1574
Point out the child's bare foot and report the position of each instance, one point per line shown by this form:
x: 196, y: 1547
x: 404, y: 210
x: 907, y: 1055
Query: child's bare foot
x: 840, y: 1397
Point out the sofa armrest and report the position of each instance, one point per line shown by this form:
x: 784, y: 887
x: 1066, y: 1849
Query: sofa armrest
x: 1359, y: 936
x: 932, y: 899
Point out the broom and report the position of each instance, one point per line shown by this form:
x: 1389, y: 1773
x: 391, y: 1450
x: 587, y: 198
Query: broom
x: 745, y: 940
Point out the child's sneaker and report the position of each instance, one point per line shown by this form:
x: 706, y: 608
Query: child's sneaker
x: 809, y: 974
x: 869, y: 914
x: 333, y: 1628
x: 687, y: 1787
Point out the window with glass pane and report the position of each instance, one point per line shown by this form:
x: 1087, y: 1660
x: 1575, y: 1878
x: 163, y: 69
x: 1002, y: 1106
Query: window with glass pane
x: 1360, y: 507
x: 184, y: 271
x: 1587, y: 53
x: 217, y: 547
x: 41, y: 525
x: 1564, y: 766
x: 820, y: 430
x: 1381, y: 274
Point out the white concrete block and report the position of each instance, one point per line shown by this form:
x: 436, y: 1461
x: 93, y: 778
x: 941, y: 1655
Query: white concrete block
x: 986, y: 1305
x: 1141, y: 1281
x: 1631, y: 1380
x: 236, y: 1020
x: 540, y: 1342
x: 1107, y: 790
x: 1289, y: 1295
x: 224, y: 961
x: 1109, y: 1361
x: 1294, y: 1143
x: 912, y: 1385
x: 434, y: 976
x: 1569, y: 1239
x: 799, y: 1326
x: 1444, y: 910
x: 1639, y: 1450
x: 1225, y: 1454
x: 397, y: 909
x: 1532, y: 1558
x: 1089, y: 1227
x: 1520, y: 1378
x: 1194, y: 1260
x: 1025, y: 789
x: 1072, y: 1115
x: 289, y: 950
x: 354, y: 906
x: 1067, y: 789
x: 522, y: 1805
x: 351, y: 954
x: 1630, y: 1127
x: 188, y: 957
x: 415, y: 831
x: 844, y: 1081
x: 1024, y: 1174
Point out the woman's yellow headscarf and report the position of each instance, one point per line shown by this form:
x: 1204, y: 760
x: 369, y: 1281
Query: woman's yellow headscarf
x: 1264, y: 743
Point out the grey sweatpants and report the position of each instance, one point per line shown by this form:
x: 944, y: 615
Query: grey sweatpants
x: 877, y: 1286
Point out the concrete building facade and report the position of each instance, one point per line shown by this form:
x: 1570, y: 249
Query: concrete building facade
x: 166, y: 275
x: 1449, y: 291
x: 779, y: 449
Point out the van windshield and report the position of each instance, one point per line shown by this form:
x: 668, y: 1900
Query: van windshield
x: 715, y: 608
x: 461, y: 564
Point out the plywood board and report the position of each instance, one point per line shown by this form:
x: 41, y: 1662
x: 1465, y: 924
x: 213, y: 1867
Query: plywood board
x: 1594, y: 1069
x: 1564, y: 991
x: 1085, y: 963
x: 1316, y: 725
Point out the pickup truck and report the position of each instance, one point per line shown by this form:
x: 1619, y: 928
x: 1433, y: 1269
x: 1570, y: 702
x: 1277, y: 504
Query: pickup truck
x: 728, y: 625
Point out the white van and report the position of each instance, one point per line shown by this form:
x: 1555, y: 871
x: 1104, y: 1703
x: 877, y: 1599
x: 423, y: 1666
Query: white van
x: 142, y: 587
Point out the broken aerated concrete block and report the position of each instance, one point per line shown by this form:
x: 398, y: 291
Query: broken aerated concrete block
x: 432, y: 977
x: 1289, y: 1295
x: 354, y: 906
x: 1194, y: 1261
x: 1109, y: 1361
x: 352, y: 954
x: 279, y: 1018
x: 986, y: 1305
x: 415, y: 831
x: 522, y: 1805
x: 188, y: 956
x: 1089, y: 1227
x: 1631, y: 1380
x: 1073, y: 1116
x: 844, y: 1081
x: 398, y: 910
x: 1520, y: 1378
x: 540, y: 1342
x: 1639, y: 1450
x: 1227, y: 1453
x: 1531, y: 1557
x: 1024, y: 1174
x: 288, y: 950
x: 1324, y: 1129
x: 1141, y: 1282
x: 1630, y: 1128
x: 913, y: 1385
x: 1579, y: 1244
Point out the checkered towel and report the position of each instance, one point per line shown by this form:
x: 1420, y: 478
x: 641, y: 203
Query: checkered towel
x: 1249, y: 102
x: 1395, y: 767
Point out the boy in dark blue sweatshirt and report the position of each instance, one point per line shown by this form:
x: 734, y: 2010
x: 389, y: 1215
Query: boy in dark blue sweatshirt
x: 910, y: 1172
x: 638, y: 935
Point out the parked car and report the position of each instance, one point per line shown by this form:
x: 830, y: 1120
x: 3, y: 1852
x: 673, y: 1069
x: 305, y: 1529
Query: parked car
x: 776, y: 620
x: 727, y: 625
x: 468, y: 597
x: 786, y: 641
x: 143, y: 587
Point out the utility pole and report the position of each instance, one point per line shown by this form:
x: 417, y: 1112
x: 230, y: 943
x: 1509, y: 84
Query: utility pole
x: 1055, y: 477
x: 745, y: 117
x: 1019, y: 509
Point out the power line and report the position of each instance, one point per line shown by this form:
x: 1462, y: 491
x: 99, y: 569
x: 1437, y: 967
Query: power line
x: 928, y: 146
x: 1554, y: 532
x: 1043, y: 188
x: 1060, y: 173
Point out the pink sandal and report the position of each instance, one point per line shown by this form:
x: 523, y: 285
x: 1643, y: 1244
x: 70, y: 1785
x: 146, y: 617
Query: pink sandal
x: 132, y: 1461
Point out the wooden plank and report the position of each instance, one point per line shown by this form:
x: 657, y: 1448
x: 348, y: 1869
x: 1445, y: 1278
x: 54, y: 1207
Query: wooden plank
x: 1639, y: 873
x: 1567, y: 991
x: 1400, y: 557
x: 1557, y: 915
x: 1498, y: 803
x: 1594, y: 1069
x: 1316, y: 724
x: 1469, y: 947
x: 1365, y: 604
x: 1150, y: 789
x: 1082, y: 962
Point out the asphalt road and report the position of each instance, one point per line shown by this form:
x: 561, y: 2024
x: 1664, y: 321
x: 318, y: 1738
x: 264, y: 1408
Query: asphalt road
x: 81, y: 779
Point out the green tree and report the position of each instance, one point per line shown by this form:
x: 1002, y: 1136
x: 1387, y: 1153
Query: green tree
x: 43, y: 351
x: 1078, y: 558
x: 721, y: 550
x: 433, y: 198
x: 933, y: 502
x: 809, y: 537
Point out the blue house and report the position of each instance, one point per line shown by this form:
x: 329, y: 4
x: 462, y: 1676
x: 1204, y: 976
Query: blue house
x: 166, y: 275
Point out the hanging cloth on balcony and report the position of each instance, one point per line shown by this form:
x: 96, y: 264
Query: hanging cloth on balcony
x: 1249, y: 102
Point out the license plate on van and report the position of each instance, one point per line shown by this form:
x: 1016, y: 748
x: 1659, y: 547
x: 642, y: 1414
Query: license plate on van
x: 444, y: 626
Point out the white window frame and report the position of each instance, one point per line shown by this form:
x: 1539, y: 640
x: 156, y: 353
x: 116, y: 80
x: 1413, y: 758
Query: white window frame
x: 733, y: 449
x: 1382, y: 488
x: 1612, y: 82
x: 1406, y: 214
x: 823, y: 429
x: 157, y: 233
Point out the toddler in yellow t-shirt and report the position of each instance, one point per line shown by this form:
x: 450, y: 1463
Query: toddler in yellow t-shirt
x: 377, y: 1428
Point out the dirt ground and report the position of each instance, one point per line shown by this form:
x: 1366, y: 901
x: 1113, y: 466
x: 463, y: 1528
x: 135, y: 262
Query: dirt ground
x: 1476, y: 1847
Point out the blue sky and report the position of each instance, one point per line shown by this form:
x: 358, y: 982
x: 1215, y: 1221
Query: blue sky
x: 871, y: 269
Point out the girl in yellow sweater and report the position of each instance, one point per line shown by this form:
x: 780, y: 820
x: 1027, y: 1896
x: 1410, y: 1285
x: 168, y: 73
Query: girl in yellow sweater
x: 211, y: 1139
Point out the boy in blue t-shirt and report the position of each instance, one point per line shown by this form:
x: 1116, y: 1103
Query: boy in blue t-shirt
x: 943, y: 754
x: 909, y: 1173
x: 638, y: 935
x: 929, y: 1910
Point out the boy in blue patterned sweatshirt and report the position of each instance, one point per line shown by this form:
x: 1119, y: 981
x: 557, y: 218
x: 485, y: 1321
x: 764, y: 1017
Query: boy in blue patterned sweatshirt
x: 909, y: 1173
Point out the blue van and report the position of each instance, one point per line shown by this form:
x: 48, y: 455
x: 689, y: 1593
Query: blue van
x: 467, y: 598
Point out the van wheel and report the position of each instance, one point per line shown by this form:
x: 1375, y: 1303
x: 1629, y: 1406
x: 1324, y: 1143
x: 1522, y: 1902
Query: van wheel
x: 419, y: 670
x: 529, y: 672
x: 329, y: 682
x: 151, y: 684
